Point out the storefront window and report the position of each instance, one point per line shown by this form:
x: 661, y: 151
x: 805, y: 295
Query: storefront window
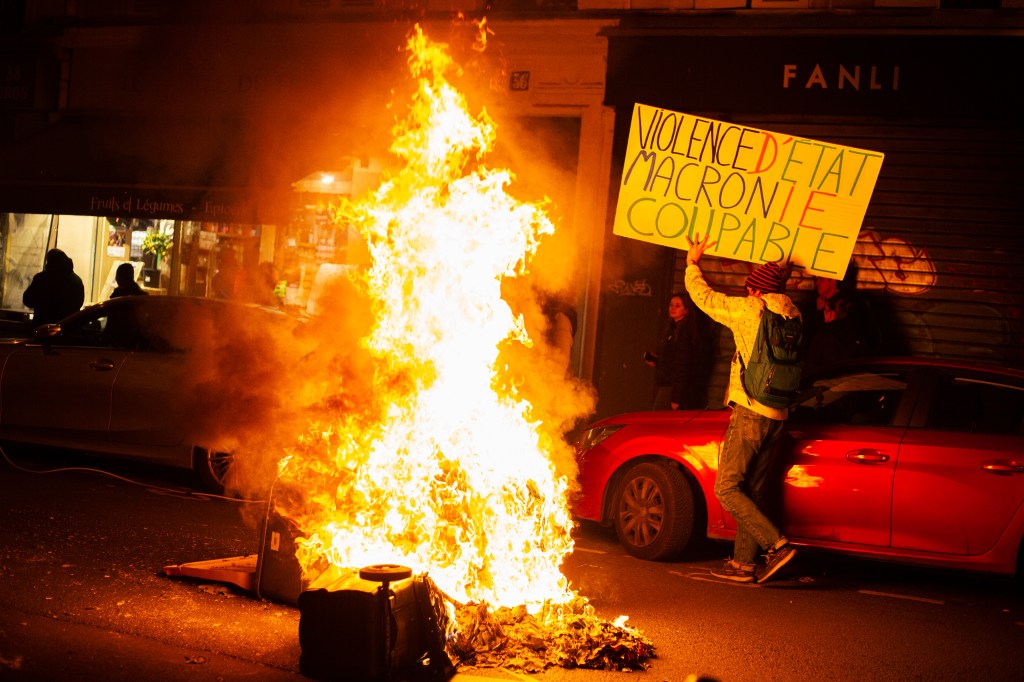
x: 227, y: 260
x: 23, y: 241
x: 251, y: 263
x: 146, y: 244
x: 315, y: 247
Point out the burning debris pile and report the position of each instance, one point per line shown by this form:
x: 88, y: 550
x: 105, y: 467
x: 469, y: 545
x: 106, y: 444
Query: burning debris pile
x: 451, y: 470
x: 564, y: 635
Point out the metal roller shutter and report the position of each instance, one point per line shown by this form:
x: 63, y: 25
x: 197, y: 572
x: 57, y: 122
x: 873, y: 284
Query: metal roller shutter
x: 940, y: 252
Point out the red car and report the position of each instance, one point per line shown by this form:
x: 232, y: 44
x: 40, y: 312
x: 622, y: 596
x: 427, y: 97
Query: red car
x: 912, y: 460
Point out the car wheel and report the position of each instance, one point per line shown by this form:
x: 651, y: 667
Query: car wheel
x: 212, y: 468
x: 653, y: 511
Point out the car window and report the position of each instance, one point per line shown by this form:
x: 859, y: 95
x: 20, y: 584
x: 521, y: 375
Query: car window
x: 122, y: 329
x: 868, y: 398
x: 158, y: 327
x: 115, y: 327
x: 86, y: 331
x: 125, y: 326
x: 975, y: 405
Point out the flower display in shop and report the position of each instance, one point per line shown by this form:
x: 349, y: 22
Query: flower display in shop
x: 157, y: 244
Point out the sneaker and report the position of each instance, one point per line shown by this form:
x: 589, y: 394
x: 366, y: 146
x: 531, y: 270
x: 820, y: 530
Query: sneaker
x: 731, y: 570
x: 778, y: 556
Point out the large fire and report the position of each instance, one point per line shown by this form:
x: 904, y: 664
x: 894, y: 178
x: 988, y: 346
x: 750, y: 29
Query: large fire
x: 452, y: 472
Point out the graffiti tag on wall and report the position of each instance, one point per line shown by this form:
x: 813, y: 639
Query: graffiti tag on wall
x: 892, y: 264
x: 638, y: 287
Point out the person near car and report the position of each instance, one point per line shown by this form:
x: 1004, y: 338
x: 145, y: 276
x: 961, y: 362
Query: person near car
x: 56, y: 291
x: 678, y: 359
x: 126, y: 284
x: 745, y: 462
x: 843, y: 336
x: 840, y: 322
x: 258, y: 285
x: 560, y: 328
x: 226, y: 277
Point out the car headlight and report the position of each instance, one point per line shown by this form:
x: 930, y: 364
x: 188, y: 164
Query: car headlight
x: 592, y: 437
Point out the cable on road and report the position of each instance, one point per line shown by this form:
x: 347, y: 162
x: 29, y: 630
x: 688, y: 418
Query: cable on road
x: 177, y: 491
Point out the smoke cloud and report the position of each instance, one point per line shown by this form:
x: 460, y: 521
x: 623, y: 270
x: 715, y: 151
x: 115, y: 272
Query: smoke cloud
x: 262, y: 383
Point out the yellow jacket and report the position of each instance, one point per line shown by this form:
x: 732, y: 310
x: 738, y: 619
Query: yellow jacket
x: 742, y: 315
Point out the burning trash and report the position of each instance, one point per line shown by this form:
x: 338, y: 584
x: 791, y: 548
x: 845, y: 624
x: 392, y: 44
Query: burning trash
x: 448, y: 468
x: 565, y: 635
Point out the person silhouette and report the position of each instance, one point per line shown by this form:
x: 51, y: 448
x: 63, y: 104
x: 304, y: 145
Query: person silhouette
x: 845, y: 334
x: 562, y: 320
x: 677, y: 362
x: 126, y: 284
x: 225, y: 279
x: 258, y: 285
x: 56, y: 291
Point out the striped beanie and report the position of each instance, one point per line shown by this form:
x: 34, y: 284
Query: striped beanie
x: 768, y: 278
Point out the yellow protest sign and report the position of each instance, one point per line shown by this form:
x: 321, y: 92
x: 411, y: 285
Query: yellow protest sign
x: 762, y: 196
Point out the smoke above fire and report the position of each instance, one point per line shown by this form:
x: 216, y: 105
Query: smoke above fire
x: 420, y: 417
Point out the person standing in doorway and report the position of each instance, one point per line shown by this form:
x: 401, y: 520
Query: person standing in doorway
x: 560, y: 316
x: 677, y: 358
x: 746, y: 459
x: 56, y: 291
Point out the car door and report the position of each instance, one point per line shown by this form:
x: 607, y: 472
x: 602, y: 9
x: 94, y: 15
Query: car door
x: 150, y: 397
x: 56, y: 389
x: 843, y: 446
x: 960, y: 478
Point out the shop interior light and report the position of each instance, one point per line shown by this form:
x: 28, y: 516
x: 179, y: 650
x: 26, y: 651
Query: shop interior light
x: 351, y: 177
x: 326, y: 182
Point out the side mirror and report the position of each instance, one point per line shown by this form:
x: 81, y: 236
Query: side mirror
x: 45, y: 332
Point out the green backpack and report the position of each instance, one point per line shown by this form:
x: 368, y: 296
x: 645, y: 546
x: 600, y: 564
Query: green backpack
x: 776, y: 362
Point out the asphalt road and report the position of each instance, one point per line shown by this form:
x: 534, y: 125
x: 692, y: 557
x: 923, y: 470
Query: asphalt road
x: 83, y: 596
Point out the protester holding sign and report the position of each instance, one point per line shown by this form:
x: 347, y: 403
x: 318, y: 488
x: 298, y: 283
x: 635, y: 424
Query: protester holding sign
x: 754, y: 428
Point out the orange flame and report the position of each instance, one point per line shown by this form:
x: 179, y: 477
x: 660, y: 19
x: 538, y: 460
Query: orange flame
x: 453, y: 475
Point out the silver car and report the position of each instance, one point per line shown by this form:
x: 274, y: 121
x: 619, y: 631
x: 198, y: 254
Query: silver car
x: 131, y: 377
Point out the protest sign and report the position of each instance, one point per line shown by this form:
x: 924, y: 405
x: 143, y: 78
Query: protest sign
x: 762, y: 196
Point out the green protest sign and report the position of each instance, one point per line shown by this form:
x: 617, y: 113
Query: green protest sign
x: 763, y: 196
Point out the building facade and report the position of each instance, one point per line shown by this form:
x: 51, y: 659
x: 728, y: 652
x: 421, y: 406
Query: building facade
x: 229, y: 128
